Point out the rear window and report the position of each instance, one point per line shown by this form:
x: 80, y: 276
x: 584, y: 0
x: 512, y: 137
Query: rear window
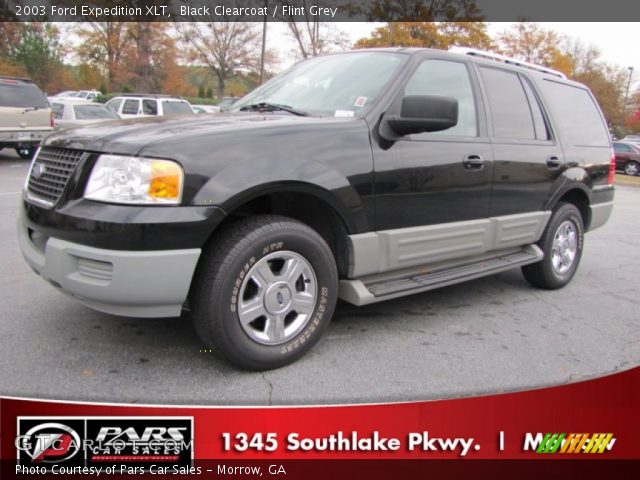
x: 173, y: 108
x: 577, y: 114
x: 21, y: 95
x: 88, y: 112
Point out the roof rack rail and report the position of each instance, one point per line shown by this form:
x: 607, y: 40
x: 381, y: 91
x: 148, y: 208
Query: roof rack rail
x: 496, y: 57
x: 148, y: 95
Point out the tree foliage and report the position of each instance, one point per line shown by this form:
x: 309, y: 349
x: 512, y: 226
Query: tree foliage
x: 34, y: 50
x: 442, y: 35
x: 223, y: 47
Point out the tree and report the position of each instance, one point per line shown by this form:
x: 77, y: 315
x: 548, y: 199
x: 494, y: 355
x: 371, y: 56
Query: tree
x: 223, y: 47
x: 424, y: 10
x: 103, y: 44
x: 442, y: 35
x: 531, y: 43
x: 33, y: 50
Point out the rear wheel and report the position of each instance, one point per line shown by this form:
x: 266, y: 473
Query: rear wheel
x: 264, y: 292
x: 26, y: 153
x: 632, y: 168
x: 562, y: 243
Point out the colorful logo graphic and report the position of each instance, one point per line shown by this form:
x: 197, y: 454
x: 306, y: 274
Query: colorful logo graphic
x: 569, y: 443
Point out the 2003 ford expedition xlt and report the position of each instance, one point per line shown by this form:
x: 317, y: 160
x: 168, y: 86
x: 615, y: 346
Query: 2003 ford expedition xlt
x: 363, y: 175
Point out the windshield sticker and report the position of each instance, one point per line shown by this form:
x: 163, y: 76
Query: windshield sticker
x: 344, y: 113
x: 360, y: 101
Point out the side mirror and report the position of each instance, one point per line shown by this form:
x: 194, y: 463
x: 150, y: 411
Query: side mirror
x: 424, y: 113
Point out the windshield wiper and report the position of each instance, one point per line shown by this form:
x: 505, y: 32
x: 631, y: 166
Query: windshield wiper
x: 30, y: 109
x: 272, y: 107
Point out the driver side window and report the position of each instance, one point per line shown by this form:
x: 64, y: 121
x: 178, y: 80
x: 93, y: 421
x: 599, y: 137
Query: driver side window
x: 442, y: 77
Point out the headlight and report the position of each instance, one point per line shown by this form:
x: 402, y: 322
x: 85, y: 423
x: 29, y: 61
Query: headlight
x: 120, y: 179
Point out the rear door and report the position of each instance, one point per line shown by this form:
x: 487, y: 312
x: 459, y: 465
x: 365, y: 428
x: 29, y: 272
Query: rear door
x: 528, y: 160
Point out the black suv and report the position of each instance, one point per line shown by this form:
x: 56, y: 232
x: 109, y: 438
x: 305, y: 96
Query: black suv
x: 364, y: 176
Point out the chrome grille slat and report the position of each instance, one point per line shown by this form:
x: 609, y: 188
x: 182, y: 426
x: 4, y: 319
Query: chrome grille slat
x: 59, y: 164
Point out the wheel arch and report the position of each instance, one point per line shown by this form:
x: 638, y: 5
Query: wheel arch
x: 312, y: 205
x: 578, y: 195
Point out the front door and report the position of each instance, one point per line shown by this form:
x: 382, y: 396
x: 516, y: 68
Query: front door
x: 441, y: 177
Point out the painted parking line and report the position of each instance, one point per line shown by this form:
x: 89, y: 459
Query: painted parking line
x: 10, y: 193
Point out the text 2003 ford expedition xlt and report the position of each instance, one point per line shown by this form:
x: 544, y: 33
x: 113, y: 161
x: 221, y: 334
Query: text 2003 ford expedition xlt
x: 364, y: 175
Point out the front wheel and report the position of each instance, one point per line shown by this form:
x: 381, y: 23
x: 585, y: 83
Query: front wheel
x: 264, y: 292
x: 562, y: 243
x: 26, y: 153
x: 632, y: 168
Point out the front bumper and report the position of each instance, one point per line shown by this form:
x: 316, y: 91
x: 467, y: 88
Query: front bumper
x: 128, y: 283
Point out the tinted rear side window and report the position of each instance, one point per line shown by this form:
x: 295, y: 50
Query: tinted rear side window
x: 88, y: 112
x: 131, y: 107
x: 576, y: 114
x: 174, y: 108
x: 510, y: 110
x: 21, y: 95
x: 150, y: 107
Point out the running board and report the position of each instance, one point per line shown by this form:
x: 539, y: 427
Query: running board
x: 364, y: 291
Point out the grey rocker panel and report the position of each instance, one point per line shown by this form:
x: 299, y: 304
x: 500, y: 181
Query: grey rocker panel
x: 389, y: 250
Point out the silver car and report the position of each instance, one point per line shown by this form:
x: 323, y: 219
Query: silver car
x: 76, y: 113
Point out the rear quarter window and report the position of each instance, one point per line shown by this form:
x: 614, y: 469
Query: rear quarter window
x: 577, y: 114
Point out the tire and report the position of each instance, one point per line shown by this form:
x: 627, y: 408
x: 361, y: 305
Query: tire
x: 242, y: 276
x: 632, y: 168
x: 564, y: 234
x: 26, y: 153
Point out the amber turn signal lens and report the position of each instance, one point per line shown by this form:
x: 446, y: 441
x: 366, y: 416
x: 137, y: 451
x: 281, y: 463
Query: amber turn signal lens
x: 166, y: 180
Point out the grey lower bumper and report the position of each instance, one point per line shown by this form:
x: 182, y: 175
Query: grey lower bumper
x: 600, y: 213
x: 127, y: 283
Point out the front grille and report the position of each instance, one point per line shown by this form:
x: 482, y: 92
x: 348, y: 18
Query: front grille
x: 51, y: 171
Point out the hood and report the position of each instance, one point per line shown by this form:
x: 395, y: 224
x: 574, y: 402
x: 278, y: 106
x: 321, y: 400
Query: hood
x: 131, y: 136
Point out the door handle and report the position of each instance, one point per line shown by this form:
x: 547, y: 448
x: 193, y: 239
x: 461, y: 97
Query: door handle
x: 553, y: 162
x: 473, y: 162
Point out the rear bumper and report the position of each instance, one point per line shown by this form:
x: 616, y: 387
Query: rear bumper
x: 600, y: 213
x: 128, y: 283
x: 20, y: 137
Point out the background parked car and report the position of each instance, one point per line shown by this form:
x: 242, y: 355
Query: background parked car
x: 627, y: 157
x: 148, y: 105
x: 25, y: 116
x: 75, y: 113
x: 206, y: 108
x: 86, y: 94
x: 64, y: 94
x: 227, y: 103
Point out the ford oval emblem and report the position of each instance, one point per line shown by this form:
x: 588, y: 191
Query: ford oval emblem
x: 38, y: 170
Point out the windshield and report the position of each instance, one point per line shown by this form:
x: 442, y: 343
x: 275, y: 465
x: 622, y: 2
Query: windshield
x: 88, y: 112
x: 335, y: 85
x: 173, y: 108
x: 21, y: 95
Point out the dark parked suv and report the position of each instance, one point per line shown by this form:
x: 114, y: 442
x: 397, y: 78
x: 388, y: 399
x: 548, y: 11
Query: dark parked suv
x: 364, y: 176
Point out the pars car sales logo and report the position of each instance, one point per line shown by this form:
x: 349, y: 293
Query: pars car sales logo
x: 91, y: 441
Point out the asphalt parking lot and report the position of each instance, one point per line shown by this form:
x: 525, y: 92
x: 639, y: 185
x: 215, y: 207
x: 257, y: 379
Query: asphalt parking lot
x: 491, y: 335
